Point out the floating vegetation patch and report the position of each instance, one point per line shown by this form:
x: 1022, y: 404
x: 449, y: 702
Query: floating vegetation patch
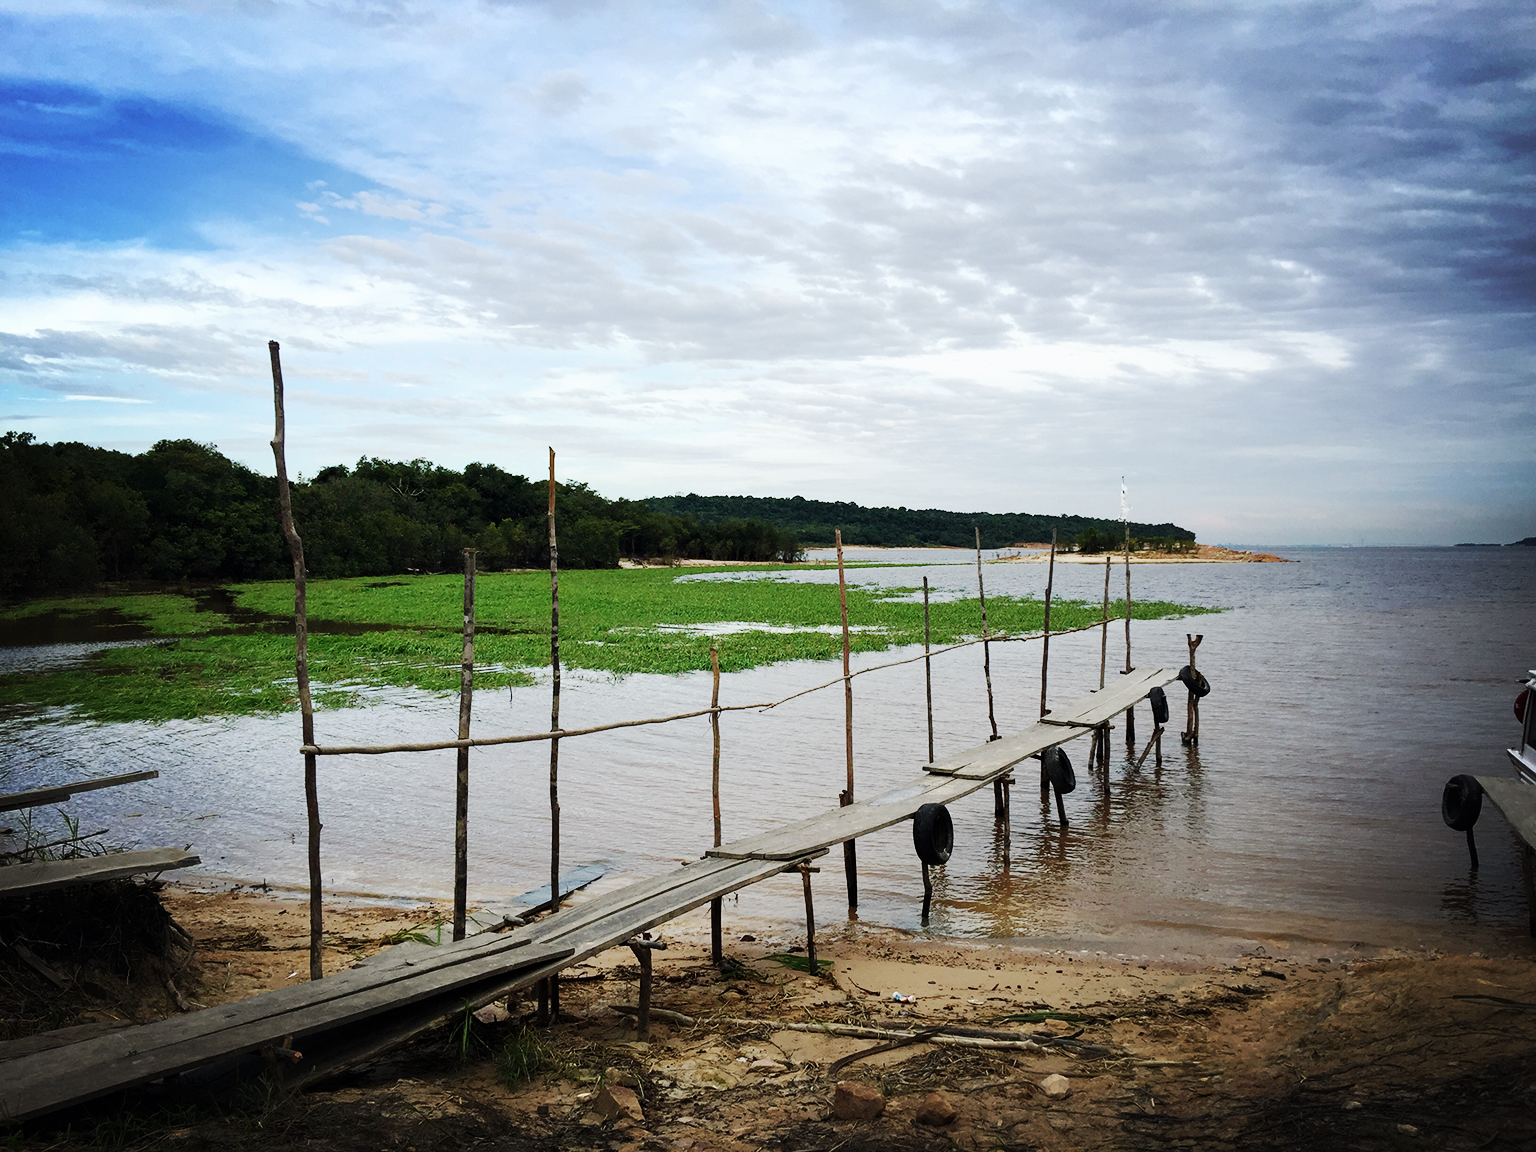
x: 232, y: 653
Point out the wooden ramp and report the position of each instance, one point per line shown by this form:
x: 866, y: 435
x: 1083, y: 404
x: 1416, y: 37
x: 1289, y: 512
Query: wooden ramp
x: 22, y: 879
x: 355, y: 1016
x: 44, y: 1081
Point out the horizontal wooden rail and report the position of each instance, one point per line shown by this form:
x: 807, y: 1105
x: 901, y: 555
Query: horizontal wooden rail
x: 564, y: 733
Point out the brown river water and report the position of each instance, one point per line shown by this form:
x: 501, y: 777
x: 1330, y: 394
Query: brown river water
x: 1347, y: 688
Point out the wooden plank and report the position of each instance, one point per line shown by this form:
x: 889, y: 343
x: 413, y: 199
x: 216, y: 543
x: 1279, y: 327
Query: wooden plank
x: 1516, y: 800
x: 1095, y: 708
x: 51, y: 874
x: 538, y: 900
x: 36, y: 798
x: 62, y: 1076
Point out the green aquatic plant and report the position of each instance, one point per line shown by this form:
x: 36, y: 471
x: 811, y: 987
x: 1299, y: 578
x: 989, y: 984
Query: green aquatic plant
x: 232, y: 655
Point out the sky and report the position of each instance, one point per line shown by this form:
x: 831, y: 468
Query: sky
x: 1273, y: 263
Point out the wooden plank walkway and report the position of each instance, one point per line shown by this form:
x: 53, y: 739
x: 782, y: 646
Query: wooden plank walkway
x: 20, y: 879
x: 354, y: 1016
x: 39, y: 1083
x: 946, y: 780
x: 62, y: 792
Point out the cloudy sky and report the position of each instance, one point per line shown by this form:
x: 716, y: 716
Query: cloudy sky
x: 1274, y: 262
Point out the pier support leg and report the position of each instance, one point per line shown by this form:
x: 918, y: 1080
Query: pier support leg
x: 1155, y: 741
x: 850, y: 861
x: 716, y: 951
x: 927, y: 894
x: 810, y: 917
x: 543, y: 1011
x: 1130, y: 729
x: 642, y: 946
x: 1061, y: 810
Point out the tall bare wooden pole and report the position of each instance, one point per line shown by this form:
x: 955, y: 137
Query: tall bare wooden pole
x: 928, y: 666
x: 1045, y: 639
x: 300, y: 663
x: 1100, y: 748
x: 1104, y: 629
x: 986, y: 643
x: 716, y: 906
x: 1130, y: 713
x: 554, y: 726
x: 850, y: 850
x: 466, y: 700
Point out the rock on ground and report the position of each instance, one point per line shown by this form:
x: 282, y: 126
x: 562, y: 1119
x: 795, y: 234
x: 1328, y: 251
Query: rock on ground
x: 856, y: 1101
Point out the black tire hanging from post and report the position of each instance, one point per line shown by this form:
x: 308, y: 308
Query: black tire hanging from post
x: 1195, y: 681
x: 933, y: 834
x: 1058, y: 770
x: 1159, y: 701
x: 1461, y: 803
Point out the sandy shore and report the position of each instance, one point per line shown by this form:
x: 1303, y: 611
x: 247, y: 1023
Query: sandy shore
x: 1303, y: 1051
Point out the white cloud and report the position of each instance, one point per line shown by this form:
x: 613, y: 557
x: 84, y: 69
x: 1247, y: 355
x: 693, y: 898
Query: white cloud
x: 979, y: 256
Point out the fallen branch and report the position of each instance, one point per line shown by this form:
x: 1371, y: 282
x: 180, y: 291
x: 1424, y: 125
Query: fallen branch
x: 932, y: 1036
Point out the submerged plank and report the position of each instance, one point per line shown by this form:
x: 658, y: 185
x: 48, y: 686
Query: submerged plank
x: 38, y: 797
x: 49, y: 874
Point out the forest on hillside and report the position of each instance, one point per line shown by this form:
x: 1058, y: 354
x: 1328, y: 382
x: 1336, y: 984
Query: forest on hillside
x: 812, y: 522
x: 75, y: 516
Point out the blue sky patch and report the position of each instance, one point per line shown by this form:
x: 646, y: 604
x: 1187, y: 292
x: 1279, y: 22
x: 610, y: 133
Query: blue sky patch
x: 81, y: 166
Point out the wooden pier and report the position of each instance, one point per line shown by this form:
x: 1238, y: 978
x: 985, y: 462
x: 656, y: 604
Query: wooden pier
x: 322, y: 1027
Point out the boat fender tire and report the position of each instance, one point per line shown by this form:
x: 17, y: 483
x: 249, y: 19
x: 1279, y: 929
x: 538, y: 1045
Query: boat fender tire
x: 933, y: 834
x: 1196, y: 682
x: 1159, y: 701
x: 1058, y: 770
x: 1461, y: 803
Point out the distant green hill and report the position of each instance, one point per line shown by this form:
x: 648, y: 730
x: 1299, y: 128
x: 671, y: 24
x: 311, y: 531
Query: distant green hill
x: 813, y: 521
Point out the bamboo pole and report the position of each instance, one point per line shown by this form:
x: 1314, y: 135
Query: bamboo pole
x: 554, y: 726
x: 1045, y: 647
x: 466, y: 701
x: 986, y: 643
x: 850, y: 848
x: 300, y: 663
x: 717, y: 905
x: 569, y: 733
x: 928, y: 666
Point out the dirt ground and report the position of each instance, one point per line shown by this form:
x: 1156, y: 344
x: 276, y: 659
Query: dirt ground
x: 1276, y: 1051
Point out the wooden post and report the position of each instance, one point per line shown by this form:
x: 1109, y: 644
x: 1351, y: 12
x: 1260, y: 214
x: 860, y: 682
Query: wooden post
x: 810, y: 915
x: 717, y: 905
x: 1104, y: 627
x: 466, y: 700
x: 850, y: 851
x: 986, y: 643
x: 1130, y: 713
x: 928, y: 666
x: 642, y: 947
x: 1191, y: 734
x: 1045, y: 639
x: 927, y: 893
x: 554, y: 726
x: 301, y: 664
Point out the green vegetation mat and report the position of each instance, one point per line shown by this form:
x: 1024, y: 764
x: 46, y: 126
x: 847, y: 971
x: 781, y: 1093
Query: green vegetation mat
x: 232, y: 652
